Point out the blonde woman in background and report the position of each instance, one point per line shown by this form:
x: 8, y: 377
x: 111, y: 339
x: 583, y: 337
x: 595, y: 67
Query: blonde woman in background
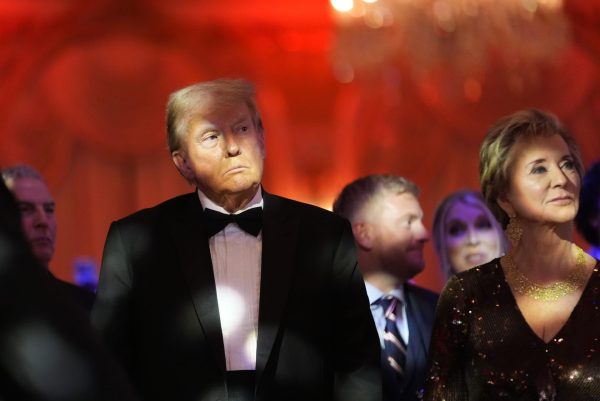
x: 466, y: 233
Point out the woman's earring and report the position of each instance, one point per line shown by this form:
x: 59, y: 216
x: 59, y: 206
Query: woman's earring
x: 514, y: 231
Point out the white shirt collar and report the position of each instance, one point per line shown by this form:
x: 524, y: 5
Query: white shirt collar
x: 257, y: 201
x: 375, y: 293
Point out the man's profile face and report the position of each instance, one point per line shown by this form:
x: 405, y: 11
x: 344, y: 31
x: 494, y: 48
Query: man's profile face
x: 37, y: 216
x: 223, y: 150
x: 399, y: 234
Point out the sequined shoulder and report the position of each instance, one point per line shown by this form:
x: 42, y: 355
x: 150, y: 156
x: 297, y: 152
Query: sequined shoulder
x: 481, y: 278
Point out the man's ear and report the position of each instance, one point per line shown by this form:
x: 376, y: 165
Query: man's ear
x: 363, y: 235
x: 180, y: 159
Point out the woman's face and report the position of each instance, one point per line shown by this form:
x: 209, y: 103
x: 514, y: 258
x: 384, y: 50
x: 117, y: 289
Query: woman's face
x: 544, y: 183
x: 471, y: 239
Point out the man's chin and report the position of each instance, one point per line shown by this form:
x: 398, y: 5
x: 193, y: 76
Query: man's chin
x: 416, y: 267
x: 44, y: 256
x: 242, y: 183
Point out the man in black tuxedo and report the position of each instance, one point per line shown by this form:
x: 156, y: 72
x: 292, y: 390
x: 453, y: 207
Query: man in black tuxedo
x: 38, y: 222
x: 232, y: 293
x: 387, y: 224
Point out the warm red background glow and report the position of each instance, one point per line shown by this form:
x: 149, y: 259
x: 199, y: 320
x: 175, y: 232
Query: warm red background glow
x: 83, y: 88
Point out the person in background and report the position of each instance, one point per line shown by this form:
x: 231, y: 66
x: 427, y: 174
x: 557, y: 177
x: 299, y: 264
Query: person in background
x: 588, y: 216
x: 230, y: 292
x: 466, y: 233
x: 523, y: 326
x: 38, y: 221
x: 48, y: 351
x: 387, y: 223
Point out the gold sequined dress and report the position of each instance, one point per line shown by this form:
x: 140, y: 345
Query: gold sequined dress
x: 482, y: 349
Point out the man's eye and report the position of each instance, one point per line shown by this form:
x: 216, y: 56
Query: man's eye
x: 26, y: 209
x: 210, y: 140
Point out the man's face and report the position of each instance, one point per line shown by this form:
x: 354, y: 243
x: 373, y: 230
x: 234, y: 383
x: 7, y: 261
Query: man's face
x: 37, y: 216
x: 398, y: 234
x: 222, y: 151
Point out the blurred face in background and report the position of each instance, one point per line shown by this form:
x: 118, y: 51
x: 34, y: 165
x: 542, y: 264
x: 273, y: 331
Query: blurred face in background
x: 398, y: 234
x: 37, y: 216
x: 470, y: 236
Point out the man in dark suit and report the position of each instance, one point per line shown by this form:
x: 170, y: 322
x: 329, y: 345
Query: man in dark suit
x: 201, y: 302
x: 48, y: 351
x: 38, y: 221
x: 388, y: 229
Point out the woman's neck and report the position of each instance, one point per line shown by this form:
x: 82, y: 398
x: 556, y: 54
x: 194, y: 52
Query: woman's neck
x: 545, y: 252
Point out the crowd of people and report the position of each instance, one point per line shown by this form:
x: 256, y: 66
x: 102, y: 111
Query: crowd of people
x: 233, y: 293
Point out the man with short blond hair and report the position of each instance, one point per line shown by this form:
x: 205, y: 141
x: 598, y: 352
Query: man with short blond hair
x: 387, y: 222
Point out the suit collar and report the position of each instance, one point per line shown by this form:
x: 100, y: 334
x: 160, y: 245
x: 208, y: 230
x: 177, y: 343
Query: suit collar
x: 417, y: 347
x: 256, y: 201
x: 374, y: 293
x: 415, y: 313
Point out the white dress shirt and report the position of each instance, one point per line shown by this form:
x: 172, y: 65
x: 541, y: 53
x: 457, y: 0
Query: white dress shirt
x: 236, y: 259
x: 378, y: 313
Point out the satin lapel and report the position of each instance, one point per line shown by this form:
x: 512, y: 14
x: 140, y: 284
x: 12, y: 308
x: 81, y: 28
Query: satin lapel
x: 280, y: 231
x: 185, y: 226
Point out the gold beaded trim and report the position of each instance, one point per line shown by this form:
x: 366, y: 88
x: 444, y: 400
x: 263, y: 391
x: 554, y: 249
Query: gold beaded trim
x: 523, y: 286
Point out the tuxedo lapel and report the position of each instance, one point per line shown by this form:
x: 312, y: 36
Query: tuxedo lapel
x: 185, y: 226
x: 279, y: 237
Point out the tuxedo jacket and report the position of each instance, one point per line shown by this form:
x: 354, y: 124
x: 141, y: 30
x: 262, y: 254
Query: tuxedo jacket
x: 156, y: 306
x: 420, y: 312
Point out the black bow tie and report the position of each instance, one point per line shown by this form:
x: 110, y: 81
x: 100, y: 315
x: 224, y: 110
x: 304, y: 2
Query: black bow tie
x: 249, y: 221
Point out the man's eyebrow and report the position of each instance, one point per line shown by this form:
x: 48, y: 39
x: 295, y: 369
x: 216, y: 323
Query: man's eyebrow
x: 29, y: 203
x: 242, y: 120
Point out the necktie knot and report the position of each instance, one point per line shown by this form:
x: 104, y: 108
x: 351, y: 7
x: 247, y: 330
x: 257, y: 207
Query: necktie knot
x: 250, y: 221
x: 389, y: 304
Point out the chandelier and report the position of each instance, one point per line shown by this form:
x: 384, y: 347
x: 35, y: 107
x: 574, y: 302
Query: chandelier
x: 461, y: 36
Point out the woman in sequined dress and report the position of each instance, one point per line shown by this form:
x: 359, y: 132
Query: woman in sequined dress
x: 525, y: 326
